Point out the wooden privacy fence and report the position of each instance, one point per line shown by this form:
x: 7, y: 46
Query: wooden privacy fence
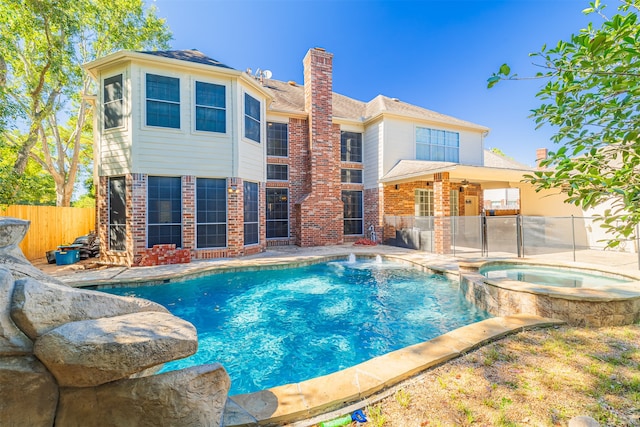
x: 51, y: 226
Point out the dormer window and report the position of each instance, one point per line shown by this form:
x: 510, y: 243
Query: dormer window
x: 163, y: 101
x: 113, y: 102
x: 211, y: 114
x: 251, y: 118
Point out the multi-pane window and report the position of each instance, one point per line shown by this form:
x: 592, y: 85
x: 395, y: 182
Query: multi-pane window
x: 211, y: 213
x: 164, y: 211
x: 277, y: 139
x: 211, y: 114
x: 351, y: 176
x: 251, y: 118
x: 163, y: 101
x: 438, y: 145
x: 251, y: 213
x: 454, y: 203
x: 351, y: 147
x: 353, y: 212
x: 113, y: 102
x: 277, y: 213
x: 117, y: 214
x: 424, y: 202
x: 277, y: 172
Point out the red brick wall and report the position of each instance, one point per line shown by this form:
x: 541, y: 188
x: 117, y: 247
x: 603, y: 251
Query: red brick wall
x: 373, y: 213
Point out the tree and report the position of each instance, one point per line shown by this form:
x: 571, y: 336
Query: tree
x: 35, y: 186
x: 592, y: 98
x: 43, y: 44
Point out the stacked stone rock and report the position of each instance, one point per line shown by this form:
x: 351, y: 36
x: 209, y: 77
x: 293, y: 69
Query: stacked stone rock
x: 74, y: 357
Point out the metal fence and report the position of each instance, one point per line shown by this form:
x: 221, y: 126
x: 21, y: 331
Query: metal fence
x: 565, y: 238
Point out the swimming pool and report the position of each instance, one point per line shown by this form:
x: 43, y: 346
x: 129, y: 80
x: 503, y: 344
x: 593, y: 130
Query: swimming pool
x: 275, y: 327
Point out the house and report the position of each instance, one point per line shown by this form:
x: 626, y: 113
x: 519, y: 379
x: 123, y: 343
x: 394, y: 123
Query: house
x: 222, y: 163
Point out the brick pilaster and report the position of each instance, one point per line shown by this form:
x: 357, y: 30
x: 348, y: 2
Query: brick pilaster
x: 189, y: 212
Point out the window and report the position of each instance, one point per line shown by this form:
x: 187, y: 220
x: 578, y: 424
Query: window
x: 211, y: 115
x: 438, y: 145
x: 251, y: 118
x: 351, y: 147
x: 117, y: 214
x: 211, y: 213
x: 454, y: 203
x: 164, y: 211
x: 277, y: 139
x: 277, y: 213
x: 113, y: 102
x: 424, y: 202
x: 251, y: 213
x: 163, y: 101
x: 277, y: 172
x: 352, y: 212
x: 351, y: 176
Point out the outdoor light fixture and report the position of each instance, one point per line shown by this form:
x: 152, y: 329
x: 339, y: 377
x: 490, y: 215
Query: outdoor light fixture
x: 464, y: 183
x: 233, y: 189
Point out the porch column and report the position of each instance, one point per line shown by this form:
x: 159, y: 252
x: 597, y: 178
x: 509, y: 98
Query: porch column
x: 442, y: 213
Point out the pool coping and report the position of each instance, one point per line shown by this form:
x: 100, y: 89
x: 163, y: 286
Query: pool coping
x: 307, y: 399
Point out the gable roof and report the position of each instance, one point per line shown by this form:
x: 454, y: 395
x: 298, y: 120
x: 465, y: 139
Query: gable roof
x: 190, y: 55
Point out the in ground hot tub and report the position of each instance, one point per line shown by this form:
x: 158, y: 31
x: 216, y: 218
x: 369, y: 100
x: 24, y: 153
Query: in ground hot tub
x: 579, y: 294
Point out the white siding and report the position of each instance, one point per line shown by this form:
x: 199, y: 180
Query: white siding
x: 165, y: 151
x: 251, y: 155
x: 399, y: 143
x: 471, y: 147
x: 372, y: 156
x: 114, y: 145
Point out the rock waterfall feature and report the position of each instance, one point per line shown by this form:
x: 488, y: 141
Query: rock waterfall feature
x: 74, y: 357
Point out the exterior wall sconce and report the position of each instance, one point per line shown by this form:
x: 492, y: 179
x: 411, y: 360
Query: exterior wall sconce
x: 233, y: 189
x: 464, y: 184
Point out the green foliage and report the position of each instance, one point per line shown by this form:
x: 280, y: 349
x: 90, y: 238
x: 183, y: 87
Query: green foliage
x: 375, y: 416
x: 403, y: 398
x: 33, y: 187
x: 43, y: 87
x: 592, y: 99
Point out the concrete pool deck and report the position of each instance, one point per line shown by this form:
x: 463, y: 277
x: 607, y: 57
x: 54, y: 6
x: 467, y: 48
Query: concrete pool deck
x: 309, y: 402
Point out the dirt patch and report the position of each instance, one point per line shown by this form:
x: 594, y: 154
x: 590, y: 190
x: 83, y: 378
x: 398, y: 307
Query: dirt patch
x: 534, y: 378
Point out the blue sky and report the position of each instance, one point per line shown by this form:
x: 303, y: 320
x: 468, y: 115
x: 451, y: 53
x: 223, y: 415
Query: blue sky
x: 436, y: 54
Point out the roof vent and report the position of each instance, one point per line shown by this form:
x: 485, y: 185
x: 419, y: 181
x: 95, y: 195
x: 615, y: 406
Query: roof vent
x: 395, y: 99
x: 292, y: 83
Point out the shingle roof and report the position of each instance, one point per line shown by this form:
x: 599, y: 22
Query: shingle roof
x: 191, y: 55
x: 289, y: 97
x: 494, y: 160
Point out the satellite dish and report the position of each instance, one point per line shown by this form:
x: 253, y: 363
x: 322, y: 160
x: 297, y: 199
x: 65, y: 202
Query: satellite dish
x: 267, y: 74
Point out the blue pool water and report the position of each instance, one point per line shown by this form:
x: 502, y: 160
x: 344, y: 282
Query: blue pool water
x: 275, y: 327
x: 551, y: 276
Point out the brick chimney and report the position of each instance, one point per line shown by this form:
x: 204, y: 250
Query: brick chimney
x: 541, y: 154
x: 321, y: 210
